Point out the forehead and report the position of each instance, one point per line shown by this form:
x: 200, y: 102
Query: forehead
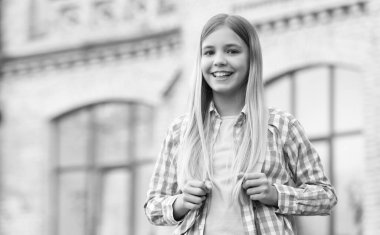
x: 222, y: 36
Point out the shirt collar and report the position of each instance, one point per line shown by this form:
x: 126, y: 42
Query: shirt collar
x: 212, y: 108
x: 242, y: 116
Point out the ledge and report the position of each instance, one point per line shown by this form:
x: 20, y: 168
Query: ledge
x: 314, y: 17
x: 93, y: 54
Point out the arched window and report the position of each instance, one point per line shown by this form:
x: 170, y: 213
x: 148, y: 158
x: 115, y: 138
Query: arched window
x: 327, y: 100
x: 101, y: 156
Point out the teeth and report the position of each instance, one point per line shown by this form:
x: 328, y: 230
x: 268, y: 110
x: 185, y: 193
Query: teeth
x: 222, y: 74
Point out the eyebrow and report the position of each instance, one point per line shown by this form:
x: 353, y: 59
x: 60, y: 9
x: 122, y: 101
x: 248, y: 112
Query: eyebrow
x: 227, y: 45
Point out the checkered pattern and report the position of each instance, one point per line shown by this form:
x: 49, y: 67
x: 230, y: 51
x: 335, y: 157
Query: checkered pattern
x: 292, y: 164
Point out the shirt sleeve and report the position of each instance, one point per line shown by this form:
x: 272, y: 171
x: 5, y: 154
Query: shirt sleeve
x: 312, y: 193
x: 163, y: 187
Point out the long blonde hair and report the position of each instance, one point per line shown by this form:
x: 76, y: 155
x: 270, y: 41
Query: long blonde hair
x: 194, y: 159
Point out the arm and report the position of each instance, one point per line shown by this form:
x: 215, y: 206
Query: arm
x: 166, y: 204
x: 163, y: 188
x: 313, y: 193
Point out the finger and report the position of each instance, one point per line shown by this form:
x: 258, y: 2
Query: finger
x: 256, y: 175
x: 253, y: 183
x: 195, y: 191
x: 257, y: 197
x: 193, y: 199
x: 253, y: 191
x: 195, y: 187
x: 191, y: 206
x: 207, y: 186
x: 204, y: 187
x: 196, y: 183
x: 240, y: 175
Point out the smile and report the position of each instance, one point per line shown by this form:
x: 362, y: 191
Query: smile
x: 221, y: 74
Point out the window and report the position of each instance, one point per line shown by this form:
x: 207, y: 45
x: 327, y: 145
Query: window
x: 101, y: 167
x: 327, y: 101
x: 91, y: 19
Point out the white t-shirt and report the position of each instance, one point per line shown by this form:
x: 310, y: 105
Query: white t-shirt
x: 223, y: 218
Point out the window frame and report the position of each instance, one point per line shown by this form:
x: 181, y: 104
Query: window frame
x: 332, y: 134
x: 95, y: 172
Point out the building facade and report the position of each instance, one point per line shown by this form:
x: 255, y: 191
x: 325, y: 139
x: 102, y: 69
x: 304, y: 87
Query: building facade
x: 88, y: 89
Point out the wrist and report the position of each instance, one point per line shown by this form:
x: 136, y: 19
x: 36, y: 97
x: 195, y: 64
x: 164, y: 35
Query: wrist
x: 179, y: 210
x: 274, y: 195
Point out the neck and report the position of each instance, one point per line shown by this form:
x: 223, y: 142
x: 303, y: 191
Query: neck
x: 229, y: 105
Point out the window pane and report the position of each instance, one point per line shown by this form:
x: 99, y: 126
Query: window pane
x: 322, y: 148
x: 115, y: 204
x: 278, y: 94
x: 349, y: 106
x: 312, y: 100
x: 112, y: 133
x: 144, y: 129
x: 73, y: 139
x: 349, y: 172
x: 72, y: 203
x: 313, y: 225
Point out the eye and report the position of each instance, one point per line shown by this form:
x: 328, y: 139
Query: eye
x: 208, y: 52
x: 232, y: 51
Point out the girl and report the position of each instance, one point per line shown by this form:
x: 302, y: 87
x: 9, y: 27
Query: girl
x: 231, y: 166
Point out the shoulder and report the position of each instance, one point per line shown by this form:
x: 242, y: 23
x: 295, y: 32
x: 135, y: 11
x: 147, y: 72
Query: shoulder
x: 279, y: 118
x: 178, y: 125
x: 178, y: 122
x: 285, y: 124
x: 282, y: 123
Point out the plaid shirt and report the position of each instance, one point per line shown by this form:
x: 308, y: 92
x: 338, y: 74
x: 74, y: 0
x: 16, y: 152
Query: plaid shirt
x: 292, y: 165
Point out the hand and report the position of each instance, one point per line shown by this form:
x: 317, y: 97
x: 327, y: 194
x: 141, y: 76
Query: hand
x: 193, y: 194
x: 258, y: 188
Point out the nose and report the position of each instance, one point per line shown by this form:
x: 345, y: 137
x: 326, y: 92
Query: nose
x: 219, y: 59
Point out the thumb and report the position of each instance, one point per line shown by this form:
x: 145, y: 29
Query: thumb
x: 241, y: 176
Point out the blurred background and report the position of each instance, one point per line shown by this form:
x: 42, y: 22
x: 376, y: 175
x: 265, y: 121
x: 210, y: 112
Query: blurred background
x: 89, y: 87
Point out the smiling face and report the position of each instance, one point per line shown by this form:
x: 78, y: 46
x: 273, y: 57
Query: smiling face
x: 225, y: 62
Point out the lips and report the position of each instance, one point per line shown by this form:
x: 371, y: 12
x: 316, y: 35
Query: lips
x: 221, y: 74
